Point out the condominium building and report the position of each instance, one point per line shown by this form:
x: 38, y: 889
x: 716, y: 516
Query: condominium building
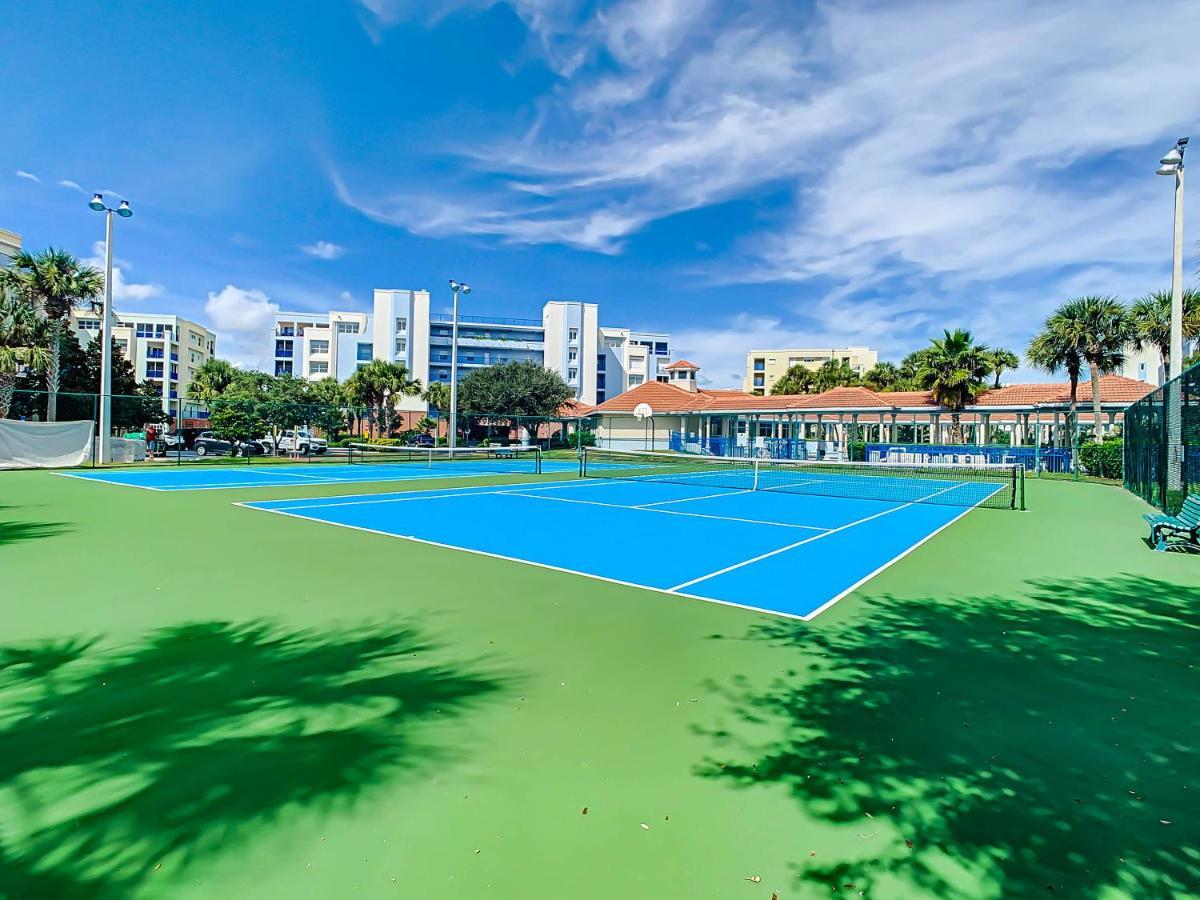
x: 765, y: 367
x: 164, y: 350
x: 10, y: 243
x: 597, y: 361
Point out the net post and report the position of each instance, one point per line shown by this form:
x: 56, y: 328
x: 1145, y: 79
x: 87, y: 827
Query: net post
x: 582, y: 463
x: 537, y: 461
x: 754, y: 487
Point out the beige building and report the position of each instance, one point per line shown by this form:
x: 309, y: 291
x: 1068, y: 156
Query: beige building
x: 765, y: 367
x: 164, y: 350
x: 10, y: 243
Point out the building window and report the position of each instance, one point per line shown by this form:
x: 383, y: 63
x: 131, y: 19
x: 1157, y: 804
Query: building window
x: 601, y: 362
x: 572, y: 334
x: 319, y: 346
x: 758, y: 381
x: 347, y: 328
x: 660, y: 347
x: 661, y: 379
x: 283, y: 368
x: 572, y: 374
x: 402, y: 324
x: 364, y: 352
x: 154, y: 370
x: 614, y: 343
x: 572, y: 355
x: 144, y: 330
x: 635, y: 380
x: 89, y: 324
x: 600, y: 380
x: 401, y: 345
x: 758, y: 365
x: 318, y: 367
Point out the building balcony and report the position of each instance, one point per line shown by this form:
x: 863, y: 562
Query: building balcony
x: 154, y: 354
x: 284, y: 354
x: 285, y: 332
x: 487, y: 320
x: 488, y: 342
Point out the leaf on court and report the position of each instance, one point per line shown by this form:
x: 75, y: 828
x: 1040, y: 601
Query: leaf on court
x: 755, y: 878
x: 585, y: 809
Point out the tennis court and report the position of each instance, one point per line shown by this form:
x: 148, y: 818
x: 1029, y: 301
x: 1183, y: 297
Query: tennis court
x: 361, y: 465
x: 785, y: 539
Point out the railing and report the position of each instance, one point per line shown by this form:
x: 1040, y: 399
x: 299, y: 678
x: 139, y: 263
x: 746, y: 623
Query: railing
x: 283, y: 354
x: 154, y: 354
x: 487, y: 320
x: 1054, y: 460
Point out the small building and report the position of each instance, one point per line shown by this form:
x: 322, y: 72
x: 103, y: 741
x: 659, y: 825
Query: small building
x: 765, y: 367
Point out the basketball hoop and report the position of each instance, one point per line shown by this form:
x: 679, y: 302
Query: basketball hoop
x: 643, y: 411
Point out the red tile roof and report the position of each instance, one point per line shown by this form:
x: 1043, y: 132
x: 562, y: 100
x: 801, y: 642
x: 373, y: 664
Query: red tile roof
x: 668, y: 398
x: 682, y: 364
x: 573, y: 408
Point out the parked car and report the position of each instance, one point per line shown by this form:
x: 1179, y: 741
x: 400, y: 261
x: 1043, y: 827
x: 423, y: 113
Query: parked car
x: 208, y: 445
x: 421, y: 440
x: 299, y: 440
x: 173, y: 440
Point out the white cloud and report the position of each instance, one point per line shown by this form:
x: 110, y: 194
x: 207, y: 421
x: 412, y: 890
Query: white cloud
x: 243, y: 320
x: 346, y: 297
x: 21, y: 173
x: 73, y: 185
x: 963, y: 155
x: 122, y: 289
x: 323, y: 250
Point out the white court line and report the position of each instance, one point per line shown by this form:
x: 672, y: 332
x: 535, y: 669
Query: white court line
x: 809, y: 540
x: 669, y: 512
x: 690, y: 499
x: 434, y: 494
x: 899, y: 556
x: 529, y: 562
x: 95, y: 480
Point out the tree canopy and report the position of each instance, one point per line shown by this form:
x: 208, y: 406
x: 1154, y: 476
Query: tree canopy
x: 514, y: 389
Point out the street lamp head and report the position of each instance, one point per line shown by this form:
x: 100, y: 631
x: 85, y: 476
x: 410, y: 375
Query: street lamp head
x: 1167, y: 170
x: 1173, y: 157
x: 123, y: 210
x: 466, y: 289
x: 454, y: 285
x: 97, y: 203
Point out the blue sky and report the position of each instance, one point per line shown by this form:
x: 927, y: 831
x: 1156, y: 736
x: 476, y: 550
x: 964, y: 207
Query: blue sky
x: 759, y: 173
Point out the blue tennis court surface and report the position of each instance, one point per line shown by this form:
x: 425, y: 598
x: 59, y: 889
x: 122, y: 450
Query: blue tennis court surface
x: 195, y: 477
x: 788, y: 554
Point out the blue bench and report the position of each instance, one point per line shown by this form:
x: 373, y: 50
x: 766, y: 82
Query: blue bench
x: 1186, y: 525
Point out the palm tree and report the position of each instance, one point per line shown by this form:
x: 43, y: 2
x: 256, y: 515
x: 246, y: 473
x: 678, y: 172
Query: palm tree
x: 952, y: 369
x: 1053, y: 350
x: 1152, y: 319
x: 882, y: 376
x: 377, y: 385
x: 18, y: 346
x: 55, y: 283
x: 212, y: 379
x: 1000, y: 360
x: 1100, y: 328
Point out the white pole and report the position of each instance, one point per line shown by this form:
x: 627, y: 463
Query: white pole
x: 1177, y: 282
x: 454, y: 374
x: 106, y: 347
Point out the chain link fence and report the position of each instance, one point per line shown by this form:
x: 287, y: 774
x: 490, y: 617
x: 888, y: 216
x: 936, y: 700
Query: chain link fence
x: 1162, y: 443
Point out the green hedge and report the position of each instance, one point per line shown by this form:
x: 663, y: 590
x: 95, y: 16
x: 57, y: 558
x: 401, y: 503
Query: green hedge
x: 1104, y: 460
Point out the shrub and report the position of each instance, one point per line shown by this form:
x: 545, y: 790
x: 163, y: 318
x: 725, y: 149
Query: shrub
x: 1104, y: 460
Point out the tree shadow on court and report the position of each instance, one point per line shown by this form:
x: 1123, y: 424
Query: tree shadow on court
x: 119, y: 766
x: 13, y: 531
x: 987, y: 746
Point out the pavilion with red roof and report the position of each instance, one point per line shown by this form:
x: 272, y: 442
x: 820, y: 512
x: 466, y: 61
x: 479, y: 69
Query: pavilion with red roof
x: 1017, y: 414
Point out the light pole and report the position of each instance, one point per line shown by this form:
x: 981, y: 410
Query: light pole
x: 122, y: 210
x: 1172, y: 164
x: 457, y: 288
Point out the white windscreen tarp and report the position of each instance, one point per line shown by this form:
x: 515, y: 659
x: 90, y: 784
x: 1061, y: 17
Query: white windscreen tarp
x: 44, y: 445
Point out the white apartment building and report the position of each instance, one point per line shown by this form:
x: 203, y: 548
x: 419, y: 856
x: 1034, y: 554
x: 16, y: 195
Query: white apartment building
x: 165, y: 350
x: 10, y: 243
x: 765, y: 367
x: 598, y: 362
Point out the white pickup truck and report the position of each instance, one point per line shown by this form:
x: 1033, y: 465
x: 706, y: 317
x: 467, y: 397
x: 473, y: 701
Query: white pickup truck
x: 299, y: 440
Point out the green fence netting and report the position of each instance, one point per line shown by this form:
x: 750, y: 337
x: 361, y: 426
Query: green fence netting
x: 1162, y: 443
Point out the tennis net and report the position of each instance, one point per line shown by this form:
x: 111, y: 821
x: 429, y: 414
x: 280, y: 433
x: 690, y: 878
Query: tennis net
x: 994, y: 485
x: 523, y: 460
